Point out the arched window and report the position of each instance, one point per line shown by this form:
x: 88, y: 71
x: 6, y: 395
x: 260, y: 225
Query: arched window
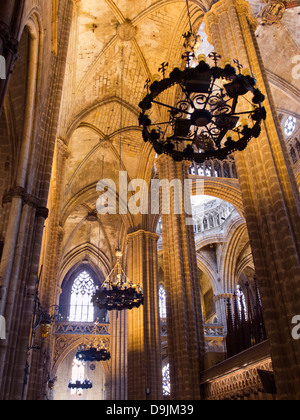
x: 162, y: 302
x: 81, y: 308
x: 75, y: 303
x: 166, y: 381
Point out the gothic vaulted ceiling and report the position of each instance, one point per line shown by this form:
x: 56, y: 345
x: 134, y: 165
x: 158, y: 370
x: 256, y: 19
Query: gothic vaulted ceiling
x: 115, y: 46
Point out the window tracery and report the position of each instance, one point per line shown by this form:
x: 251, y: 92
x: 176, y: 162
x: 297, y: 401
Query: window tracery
x: 166, y: 381
x: 81, y: 307
x: 290, y: 126
x: 162, y: 302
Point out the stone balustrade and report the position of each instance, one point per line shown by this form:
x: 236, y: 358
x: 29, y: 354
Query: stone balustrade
x: 215, y: 168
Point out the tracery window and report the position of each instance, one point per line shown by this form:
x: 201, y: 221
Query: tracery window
x: 81, y: 307
x: 166, y: 381
x: 162, y: 302
x: 290, y: 126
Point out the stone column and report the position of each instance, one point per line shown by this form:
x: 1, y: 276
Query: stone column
x: 186, y: 344
x: 21, y: 255
x: 144, y: 351
x: 270, y: 196
x: 118, y: 385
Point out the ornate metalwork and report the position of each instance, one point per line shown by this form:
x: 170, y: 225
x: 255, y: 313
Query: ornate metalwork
x: 118, y: 292
x: 86, y: 384
x: 92, y: 354
x: 209, y: 120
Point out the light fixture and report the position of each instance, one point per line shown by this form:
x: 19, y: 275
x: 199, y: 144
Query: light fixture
x: 87, y: 353
x: 45, y: 325
x: 43, y: 319
x: 86, y: 384
x: 118, y: 292
x: 218, y: 112
x: 92, y: 352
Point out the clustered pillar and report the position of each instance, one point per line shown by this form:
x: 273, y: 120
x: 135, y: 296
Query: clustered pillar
x: 270, y: 197
x: 186, y: 345
x: 144, y: 352
x: 29, y: 193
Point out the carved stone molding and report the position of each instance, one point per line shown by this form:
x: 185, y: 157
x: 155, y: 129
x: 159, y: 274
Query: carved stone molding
x: 73, y: 328
x: 62, y: 148
x: 28, y: 199
x: 241, y: 384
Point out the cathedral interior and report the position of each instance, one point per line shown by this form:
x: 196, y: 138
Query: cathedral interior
x: 216, y: 288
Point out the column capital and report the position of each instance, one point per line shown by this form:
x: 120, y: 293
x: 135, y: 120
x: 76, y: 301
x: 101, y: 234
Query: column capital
x: 62, y: 147
x: 224, y: 6
x: 163, y: 162
x: 28, y: 199
x: 223, y: 296
x: 142, y: 233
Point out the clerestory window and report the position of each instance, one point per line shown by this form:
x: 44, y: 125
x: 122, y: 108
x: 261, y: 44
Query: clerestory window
x: 162, y: 302
x: 81, y: 308
x: 166, y: 381
x: 75, y: 303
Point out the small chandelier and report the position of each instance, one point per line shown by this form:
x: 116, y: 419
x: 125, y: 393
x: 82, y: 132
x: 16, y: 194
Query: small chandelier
x: 118, y: 292
x: 80, y: 384
x: 92, y: 352
x: 217, y: 112
x: 87, y: 353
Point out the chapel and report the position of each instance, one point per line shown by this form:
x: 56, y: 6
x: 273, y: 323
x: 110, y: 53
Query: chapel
x: 149, y: 187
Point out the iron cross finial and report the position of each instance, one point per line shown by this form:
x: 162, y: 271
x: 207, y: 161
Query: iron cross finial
x: 215, y: 57
x: 147, y: 84
x: 238, y: 64
x: 163, y: 68
x: 188, y: 56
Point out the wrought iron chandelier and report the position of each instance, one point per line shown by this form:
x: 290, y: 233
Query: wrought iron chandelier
x: 86, y: 353
x: 218, y: 111
x: 86, y: 384
x: 118, y: 292
x: 92, y: 352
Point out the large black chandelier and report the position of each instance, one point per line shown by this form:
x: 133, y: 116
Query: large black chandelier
x: 218, y: 111
x: 118, y: 292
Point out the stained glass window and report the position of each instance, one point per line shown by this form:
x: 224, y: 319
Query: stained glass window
x: 81, y: 308
x: 290, y: 126
x: 166, y: 381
